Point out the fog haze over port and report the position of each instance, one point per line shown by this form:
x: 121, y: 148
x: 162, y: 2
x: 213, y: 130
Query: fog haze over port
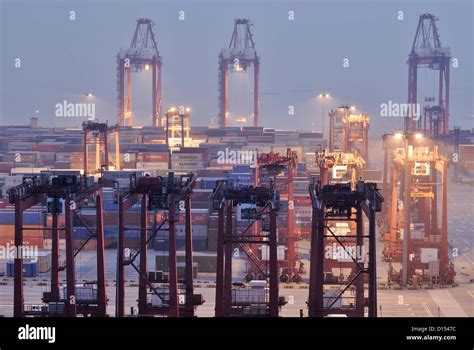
x: 61, y: 59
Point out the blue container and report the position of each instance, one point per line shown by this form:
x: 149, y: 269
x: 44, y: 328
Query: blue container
x: 242, y: 169
x: 7, y: 218
x: 81, y: 232
x: 162, y: 244
x: 30, y: 269
x: 109, y: 205
x: 10, y: 268
x: 110, y: 231
x: 200, y: 244
x: 32, y: 218
x: 241, y: 178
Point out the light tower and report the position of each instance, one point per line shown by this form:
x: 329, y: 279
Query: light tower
x: 177, y: 126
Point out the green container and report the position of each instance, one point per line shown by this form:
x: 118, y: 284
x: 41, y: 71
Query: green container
x: 204, y: 263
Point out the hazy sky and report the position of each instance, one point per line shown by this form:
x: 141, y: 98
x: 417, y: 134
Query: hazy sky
x: 61, y: 59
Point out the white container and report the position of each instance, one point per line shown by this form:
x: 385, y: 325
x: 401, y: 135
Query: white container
x: 258, y: 284
x: 249, y: 295
x: 429, y: 254
x: 83, y: 294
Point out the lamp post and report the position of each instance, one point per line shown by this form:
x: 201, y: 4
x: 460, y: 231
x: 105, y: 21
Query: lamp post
x: 323, y: 96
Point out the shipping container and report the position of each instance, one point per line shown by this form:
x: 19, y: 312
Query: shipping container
x: 152, y: 165
x: 151, y: 157
x: 5, y: 167
x: 83, y: 294
x: 372, y: 176
x: 265, y: 252
x: 44, y: 261
x: 161, y: 244
x: 191, y: 165
x: 246, y: 296
x: 260, y: 139
x: 32, y: 235
x: 241, y: 178
x: 48, y: 244
x: 30, y: 269
x: 206, y: 262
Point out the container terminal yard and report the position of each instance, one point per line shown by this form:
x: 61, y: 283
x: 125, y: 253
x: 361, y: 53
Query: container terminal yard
x: 118, y: 216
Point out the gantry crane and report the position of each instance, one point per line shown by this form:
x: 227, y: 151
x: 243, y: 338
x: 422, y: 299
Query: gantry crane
x: 414, y: 236
x: 411, y: 228
x: 344, y: 167
x: 166, y: 194
x: 273, y: 164
x: 62, y: 194
x: 240, y: 54
x: 335, y: 142
x: 355, y: 135
x: 142, y: 55
x: 100, y: 132
x: 427, y: 52
x: 335, y: 203
x: 262, y: 205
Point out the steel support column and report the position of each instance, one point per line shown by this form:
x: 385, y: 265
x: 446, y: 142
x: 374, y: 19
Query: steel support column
x: 434, y: 202
x: 120, y: 285
x: 444, y: 222
x: 360, y: 280
x: 101, y: 293
x: 256, y: 107
x: 71, y: 309
x: 18, y: 297
x: 153, y: 92
x: 317, y: 262
x: 189, y: 257
x: 372, y: 265
x: 393, y: 205
x: 117, y: 150
x: 86, y: 153
x: 142, y: 282
x: 406, y: 225
x: 219, y: 305
x: 173, y: 272
x: 273, y: 264
x: 106, y: 152
x: 55, y: 256
x: 228, y: 260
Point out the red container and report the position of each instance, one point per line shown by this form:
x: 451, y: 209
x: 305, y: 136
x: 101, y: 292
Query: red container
x: 5, y: 167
